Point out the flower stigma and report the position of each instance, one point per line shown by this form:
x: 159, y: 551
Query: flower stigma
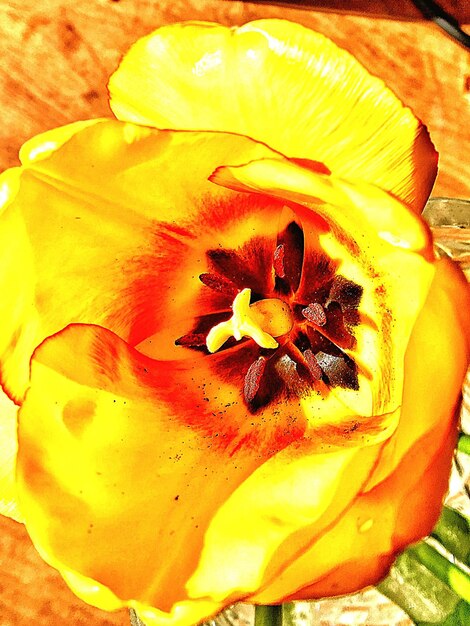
x: 262, y: 321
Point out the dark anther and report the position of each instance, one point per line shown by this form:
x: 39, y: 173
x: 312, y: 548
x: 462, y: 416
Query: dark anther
x: 292, y: 241
x: 219, y: 283
x: 192, y: 340
x: 278, y: 262
x: 336, y: 330
x: 340, y: 371
x: 253, y: 378
x: 346, y: 293
x: 351, y: 317
x: 312, y: 364
x: 315, y: 313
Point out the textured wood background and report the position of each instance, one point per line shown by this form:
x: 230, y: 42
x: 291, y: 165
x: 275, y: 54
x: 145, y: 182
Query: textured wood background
x: 55, y: 57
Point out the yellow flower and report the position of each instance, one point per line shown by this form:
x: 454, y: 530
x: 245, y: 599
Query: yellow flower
x: 237, y: 360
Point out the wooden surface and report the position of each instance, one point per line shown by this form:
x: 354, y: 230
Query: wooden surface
x: 395, y: 9
x: 55, y: 56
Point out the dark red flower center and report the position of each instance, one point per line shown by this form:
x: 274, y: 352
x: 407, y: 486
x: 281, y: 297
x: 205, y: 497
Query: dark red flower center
x: 321, y: 304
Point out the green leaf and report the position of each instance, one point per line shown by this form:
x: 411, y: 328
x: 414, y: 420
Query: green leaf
x: 447, y: 570
x: 430, y: 581
x: 453, y: 531
x: 419, y: 592
x: 269, y: 615
x: 464, y: 443
x: 459, y: 617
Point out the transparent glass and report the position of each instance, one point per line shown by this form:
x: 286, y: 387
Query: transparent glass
x: 449, y: 219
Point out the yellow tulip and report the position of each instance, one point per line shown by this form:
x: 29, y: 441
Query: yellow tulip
x: 238, y: 362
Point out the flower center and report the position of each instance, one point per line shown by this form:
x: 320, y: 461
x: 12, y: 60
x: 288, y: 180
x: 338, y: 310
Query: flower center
x: 262, y: 321
x: 280, y: 315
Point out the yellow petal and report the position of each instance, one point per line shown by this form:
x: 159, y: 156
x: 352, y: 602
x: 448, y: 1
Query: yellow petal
x: 106, y: 462
x: 103, y: 186
x: 367, y: 207
x: 8, y: 443
x: 358, y: 549
x: 281, y: 84
x: 435, y: 364
x: 112, y: 456
x: 278, y: 510
x: 45, y: 144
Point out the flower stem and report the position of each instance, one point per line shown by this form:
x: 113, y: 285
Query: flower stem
x: 268, y: 615
x: 464, y: 443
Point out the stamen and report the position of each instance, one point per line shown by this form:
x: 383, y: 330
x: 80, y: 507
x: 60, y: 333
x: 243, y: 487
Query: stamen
x: 278, y: 262
x: 291, y: 376
x: 191, y: 340
x: 291, y: 242
x: 219, y: 283
x: 312, y: 364
x: 315, y: 313
x: 345, y: 292
x: 336, y: 330
x: 340, y: 371
x: 253, y: 378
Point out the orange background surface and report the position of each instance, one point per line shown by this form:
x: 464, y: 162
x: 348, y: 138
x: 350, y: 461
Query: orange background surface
x: 55, y: 57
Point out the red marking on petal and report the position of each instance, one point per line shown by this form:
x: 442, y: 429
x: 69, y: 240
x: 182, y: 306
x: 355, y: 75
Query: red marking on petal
x: 315, y: 313
x: 253, y: 378
x: 312, y: 364
x: 278, y: 262
x: 315, y: 166
x: 219, y: 283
